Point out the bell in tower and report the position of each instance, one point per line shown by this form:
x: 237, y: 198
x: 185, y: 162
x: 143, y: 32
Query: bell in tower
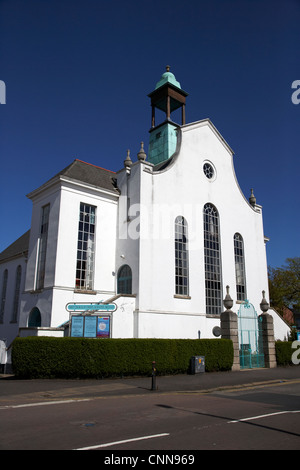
x: 167, y: 96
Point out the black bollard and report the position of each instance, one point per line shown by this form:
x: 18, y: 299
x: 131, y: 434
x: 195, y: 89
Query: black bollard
x: 153, y: 376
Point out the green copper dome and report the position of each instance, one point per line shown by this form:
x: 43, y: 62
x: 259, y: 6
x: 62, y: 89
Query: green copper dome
x: 167, y: 77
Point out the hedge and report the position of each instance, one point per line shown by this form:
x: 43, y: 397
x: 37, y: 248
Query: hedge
x: 284, y: 352
x: 46, y: 357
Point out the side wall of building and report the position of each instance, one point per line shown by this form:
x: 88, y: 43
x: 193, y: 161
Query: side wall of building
x: 60, y: 268
x: 11, y: 299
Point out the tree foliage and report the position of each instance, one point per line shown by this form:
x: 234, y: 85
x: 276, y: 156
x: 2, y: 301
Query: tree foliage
x: 284, y: 285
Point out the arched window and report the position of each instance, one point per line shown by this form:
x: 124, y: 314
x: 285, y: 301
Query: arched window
x: 239, y: 259
x: 34, y: 319
x: 17, y: 294
x: 181, y: 257
x: 3, y: 295
x: 212, y: 260
x: 124, y: 280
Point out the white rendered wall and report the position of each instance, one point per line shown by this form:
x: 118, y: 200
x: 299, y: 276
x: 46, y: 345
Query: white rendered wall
x: 128, y: 239
x: 51, y: 197
x: 281, y: 328
x: 183, y: 189
x: 168, y: 325
x: 105, y: 237
x: 122, y: 320
x: 64, y: 197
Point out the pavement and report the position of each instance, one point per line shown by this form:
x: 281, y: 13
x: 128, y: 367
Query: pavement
x: 14, y: 391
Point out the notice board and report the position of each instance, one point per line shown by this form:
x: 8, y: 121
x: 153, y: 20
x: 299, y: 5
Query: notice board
x: 90, y: 326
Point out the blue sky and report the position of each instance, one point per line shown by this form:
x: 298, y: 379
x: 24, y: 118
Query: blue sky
x: 77, y: 75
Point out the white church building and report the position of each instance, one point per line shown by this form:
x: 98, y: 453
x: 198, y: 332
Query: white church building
x: 158, y: 240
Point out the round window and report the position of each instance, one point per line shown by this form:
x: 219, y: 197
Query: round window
x: 208, y: 170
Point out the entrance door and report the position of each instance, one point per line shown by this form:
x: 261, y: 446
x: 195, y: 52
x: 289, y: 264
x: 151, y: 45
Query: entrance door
x: 250, y: 337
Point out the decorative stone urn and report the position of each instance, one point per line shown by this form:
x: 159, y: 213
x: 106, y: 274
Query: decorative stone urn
x: 229, y: 328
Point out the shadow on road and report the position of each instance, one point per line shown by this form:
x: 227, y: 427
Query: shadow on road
x: 228, y: 419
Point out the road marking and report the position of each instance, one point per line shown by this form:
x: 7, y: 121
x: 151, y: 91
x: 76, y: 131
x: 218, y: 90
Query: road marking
x: 109, y: 444
x: 263, y: 416
x: 42, y: 403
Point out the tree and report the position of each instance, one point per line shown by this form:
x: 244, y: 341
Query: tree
x: 284, y: 285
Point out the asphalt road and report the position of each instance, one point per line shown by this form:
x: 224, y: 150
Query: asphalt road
x: 127, y: 418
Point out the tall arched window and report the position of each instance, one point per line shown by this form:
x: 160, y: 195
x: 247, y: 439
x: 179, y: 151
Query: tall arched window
x: 181, y: 257
x: 124, y: 280
x: 212, y: 260
x: 3, y: 294
x: 17, y: 294
x: 34, y: 319
x: 239, y: 259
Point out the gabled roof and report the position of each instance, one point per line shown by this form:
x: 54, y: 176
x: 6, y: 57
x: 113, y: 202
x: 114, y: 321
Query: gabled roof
x: 91, y: 174
x: 17, y: 248
x: 86, y: 173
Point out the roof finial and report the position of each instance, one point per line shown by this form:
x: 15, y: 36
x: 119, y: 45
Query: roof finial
x: 252, y: 199
x: 168, y: 68
x: 127, y: 161
x: 142, y: 155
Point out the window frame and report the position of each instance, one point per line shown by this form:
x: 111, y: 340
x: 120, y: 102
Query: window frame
x: 34, y: 318
x: 124, y: 277
x: 17, y: 291
x: 239, y: 264
x: 3, y: 294
x: 212, y: 260
x: 42, y: 247
x: 86, y: 246
x: 181, y: 257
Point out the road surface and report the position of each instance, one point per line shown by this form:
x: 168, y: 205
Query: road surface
x: 260, y: 416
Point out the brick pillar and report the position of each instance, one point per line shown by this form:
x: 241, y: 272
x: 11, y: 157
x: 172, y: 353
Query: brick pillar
x: 229, y: 329
x: 267, y: 330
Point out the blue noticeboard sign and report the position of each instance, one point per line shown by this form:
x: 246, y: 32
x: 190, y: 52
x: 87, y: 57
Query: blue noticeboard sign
x: 103, y: 327
x: 91, y: 307
x: 90, y: 326
x: 77, y: 326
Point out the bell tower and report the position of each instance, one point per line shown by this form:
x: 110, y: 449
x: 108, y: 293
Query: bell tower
x: 167, y: 96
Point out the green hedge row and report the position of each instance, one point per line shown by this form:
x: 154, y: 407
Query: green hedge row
x: 46, y: 357
x: 284, y: 352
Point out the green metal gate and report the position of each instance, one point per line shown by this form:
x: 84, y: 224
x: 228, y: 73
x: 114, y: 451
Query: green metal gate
x: 250, y: 337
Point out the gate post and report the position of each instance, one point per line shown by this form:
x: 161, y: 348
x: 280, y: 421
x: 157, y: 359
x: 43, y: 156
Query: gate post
x: 267, y: 327
x: 229, y: 329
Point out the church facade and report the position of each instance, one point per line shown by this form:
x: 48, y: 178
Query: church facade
x: 160, y: 239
